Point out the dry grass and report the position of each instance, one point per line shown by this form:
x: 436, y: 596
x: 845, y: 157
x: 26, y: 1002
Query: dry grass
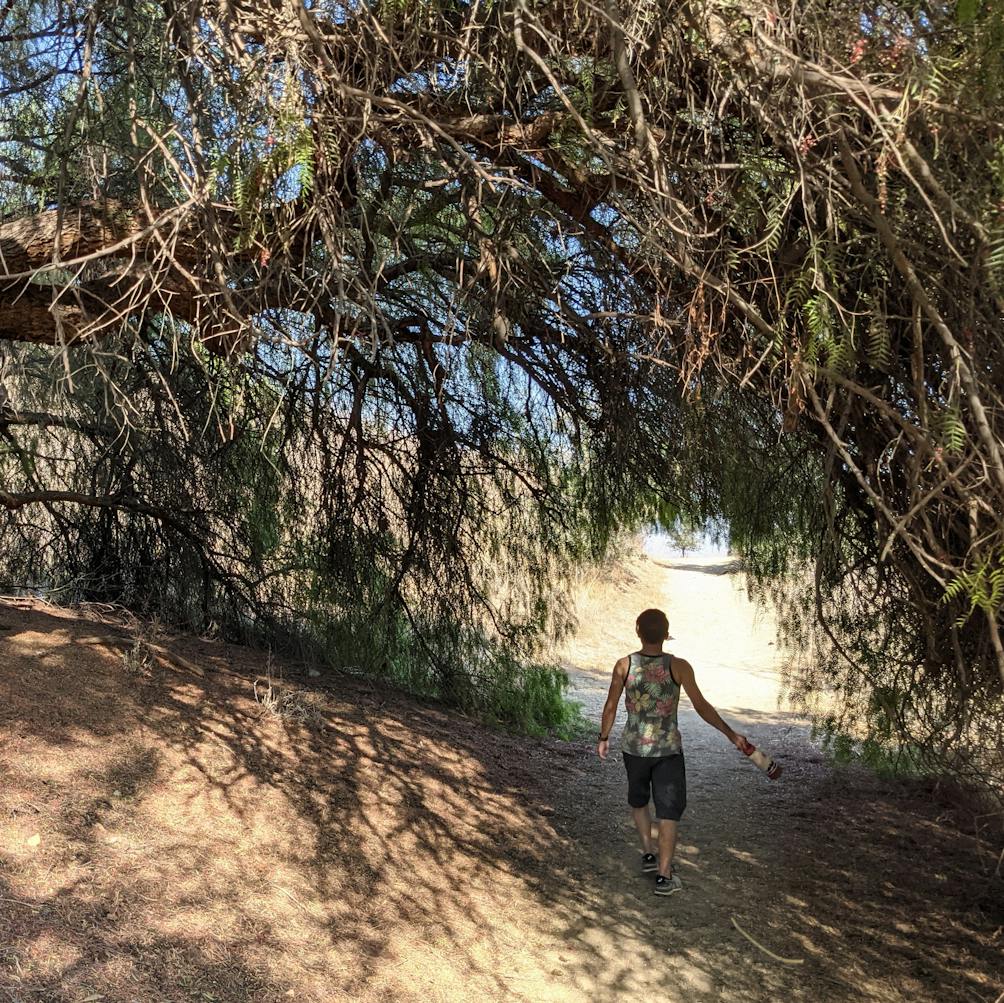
x: 292, y: 704
x: 138, y: 660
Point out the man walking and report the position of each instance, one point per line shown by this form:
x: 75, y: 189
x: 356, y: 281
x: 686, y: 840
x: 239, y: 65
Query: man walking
x: 653, y: 753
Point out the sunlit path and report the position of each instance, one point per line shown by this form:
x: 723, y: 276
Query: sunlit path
x: 776, y: 857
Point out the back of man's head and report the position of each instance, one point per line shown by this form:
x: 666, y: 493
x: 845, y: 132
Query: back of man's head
x: 652, y: 626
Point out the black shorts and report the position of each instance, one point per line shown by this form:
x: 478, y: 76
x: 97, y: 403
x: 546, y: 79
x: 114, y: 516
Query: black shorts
x: 664, y: 778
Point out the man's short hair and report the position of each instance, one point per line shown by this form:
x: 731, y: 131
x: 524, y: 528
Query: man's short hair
x: 653, y: 626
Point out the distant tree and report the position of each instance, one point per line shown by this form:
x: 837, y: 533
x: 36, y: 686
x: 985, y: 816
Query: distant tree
x: 683, y: 538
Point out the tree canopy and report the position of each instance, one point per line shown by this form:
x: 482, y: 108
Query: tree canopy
x: 377, y: 317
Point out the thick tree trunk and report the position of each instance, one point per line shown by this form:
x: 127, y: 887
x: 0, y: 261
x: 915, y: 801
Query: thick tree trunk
x: 47, y: 314
x: 94, y: 306
x: 90, y: 228
x: 31, y: 321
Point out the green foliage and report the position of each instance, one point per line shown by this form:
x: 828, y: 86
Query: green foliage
x: 995, y: 258
x: 967, y: 10
x: 682, y: 537
x: 482, y: 339
x: 776, y: 222
x: 827, y: 343
x: 948, y: 426
x: 462, y: 667
x: 994, y: 219
x: 982, y: 587
x: 887, y: 759
x: 878, y: 346
x: 258, y: 181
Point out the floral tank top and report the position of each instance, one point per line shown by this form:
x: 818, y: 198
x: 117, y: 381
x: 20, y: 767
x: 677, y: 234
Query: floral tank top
x: 652, y: 698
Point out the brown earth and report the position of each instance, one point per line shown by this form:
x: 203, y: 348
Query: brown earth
x: 165, y: 836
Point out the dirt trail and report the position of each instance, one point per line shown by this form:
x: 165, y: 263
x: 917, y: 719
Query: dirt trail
x: 828, y: 866
x: 166, y: 839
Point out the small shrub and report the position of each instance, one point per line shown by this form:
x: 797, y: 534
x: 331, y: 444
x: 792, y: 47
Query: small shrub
x: 287, y: 704
x: 886, y: 759
x: 464, y: 668
x: 138, y: 660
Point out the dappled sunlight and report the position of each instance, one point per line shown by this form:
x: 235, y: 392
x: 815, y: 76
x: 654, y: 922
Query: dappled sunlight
x: 821, y: 865
x: 744, y: 856
x: 252, y: 851
x: 182, y: 840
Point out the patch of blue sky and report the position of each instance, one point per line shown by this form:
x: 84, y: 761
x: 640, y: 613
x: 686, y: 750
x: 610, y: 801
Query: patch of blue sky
x: 340, y: 12
x: 885, y: 23
x: 524, y: 398
x: 447, y: 75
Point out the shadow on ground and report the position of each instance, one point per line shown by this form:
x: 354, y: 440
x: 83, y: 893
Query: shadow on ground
x: 720, y: 568
x: 166, y: 838
x: 190, y: 845
x: 879, y: 897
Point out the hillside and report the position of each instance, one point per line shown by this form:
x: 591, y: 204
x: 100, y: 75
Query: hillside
x: 166, y: 838
x: 166, y: 835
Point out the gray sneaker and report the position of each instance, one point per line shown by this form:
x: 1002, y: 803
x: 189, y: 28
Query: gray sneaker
x: 666, y: 886
x: 649, y: 863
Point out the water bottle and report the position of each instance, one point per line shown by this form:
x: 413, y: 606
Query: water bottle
x: 764, y: 762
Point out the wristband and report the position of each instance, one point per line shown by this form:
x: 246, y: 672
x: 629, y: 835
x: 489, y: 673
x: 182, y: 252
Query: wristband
x: 602, y: 739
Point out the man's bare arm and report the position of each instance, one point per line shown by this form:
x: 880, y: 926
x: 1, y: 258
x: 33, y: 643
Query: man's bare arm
x: 610, y: 707
x: 684, y: 672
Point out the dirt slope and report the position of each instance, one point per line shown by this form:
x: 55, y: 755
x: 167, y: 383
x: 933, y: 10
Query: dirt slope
x: 163, y: 838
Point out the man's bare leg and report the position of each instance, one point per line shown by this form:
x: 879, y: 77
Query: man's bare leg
x: 667, y: 846
x: 643, y: 823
